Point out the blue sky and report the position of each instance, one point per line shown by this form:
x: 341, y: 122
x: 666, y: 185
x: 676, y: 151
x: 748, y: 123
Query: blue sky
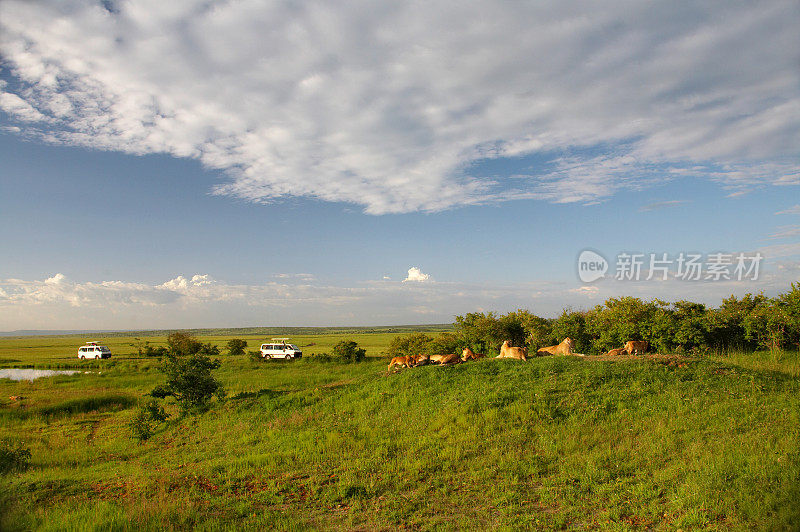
x: 239, y: 164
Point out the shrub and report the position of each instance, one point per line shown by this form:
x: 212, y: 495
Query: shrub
x: 539, y: 331
x: 349, y: 351
x: 236, y: 347
x: 321, y: 358
x: 444, y: 344
x: 145, y: 418
x: 150, y: 351
x: 409, y: 344
x: 14, y: 457
x: 181, y: 343
x: 189, y: 380
x: 255, y: 356
x: 572, y: 324
x: 486, y: 332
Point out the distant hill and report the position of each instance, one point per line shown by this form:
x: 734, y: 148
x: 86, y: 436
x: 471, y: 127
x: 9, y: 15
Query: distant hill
x: 244, y: 331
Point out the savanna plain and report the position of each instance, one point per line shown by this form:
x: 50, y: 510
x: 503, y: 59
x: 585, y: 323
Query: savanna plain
x: 662, y: 443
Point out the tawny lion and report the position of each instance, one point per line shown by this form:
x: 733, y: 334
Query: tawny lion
x: 564, y: 348
x: 469, y: 354
x: 508, y: 351
x: 635, y: 347
x: 422, y: 360
x: 452, y: 358
x: 616, y: 352
x: 401, y: 362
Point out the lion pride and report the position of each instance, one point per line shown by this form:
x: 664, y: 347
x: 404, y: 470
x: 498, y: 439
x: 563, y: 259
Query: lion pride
x: 507, y: 351
x: 564, y: 348
x: 635, y: 346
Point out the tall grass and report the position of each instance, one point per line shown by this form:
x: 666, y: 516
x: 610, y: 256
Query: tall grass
x: 784, y: 361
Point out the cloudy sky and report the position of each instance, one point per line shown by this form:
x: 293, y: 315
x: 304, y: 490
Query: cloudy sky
x: 239, y: 163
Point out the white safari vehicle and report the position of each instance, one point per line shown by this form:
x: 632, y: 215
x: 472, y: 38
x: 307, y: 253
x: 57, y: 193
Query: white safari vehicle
x: 280, y: 348
x: 93, y: 350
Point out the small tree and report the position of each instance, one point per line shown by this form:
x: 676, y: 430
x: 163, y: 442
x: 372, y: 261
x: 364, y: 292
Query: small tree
x: 349, y: 351
x: 189, y: 380
x: 236, y: 347
x: 181, y: 343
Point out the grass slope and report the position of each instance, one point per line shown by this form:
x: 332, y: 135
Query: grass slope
x: 547, y: 444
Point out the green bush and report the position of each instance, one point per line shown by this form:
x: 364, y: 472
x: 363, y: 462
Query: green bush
x: 317, y: 358
x: 409, y: 344
x: 189, y: 380
x: 145, y: 418
x: 444, y: 344
x: 150, y: 351
x: 184, y: 344
x: 14, y: 457
x: 349, y: 351
x: 255, y: 356
x: 485, y: 333
x: 236, y: 347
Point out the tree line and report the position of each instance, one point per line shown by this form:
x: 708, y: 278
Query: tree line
x: 748, y: 323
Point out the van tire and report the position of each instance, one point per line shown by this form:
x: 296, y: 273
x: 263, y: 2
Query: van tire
x: 83, y: 357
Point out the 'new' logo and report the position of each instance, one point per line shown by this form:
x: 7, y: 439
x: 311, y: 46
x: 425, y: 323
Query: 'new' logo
x: 591, y: 266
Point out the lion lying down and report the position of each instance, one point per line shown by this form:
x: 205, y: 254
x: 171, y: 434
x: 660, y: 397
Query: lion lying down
x: 566, y: 347
x: 469, y: 354
x: 507, y: 351
x: 452, y: 358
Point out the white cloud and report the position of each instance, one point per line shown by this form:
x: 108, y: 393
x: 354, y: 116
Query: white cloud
x: 589, y: 291
x: 298, y: 276
x: 786, y: 231
x: 791, y: 210
x: 416, y: 275
x: 380, y: 106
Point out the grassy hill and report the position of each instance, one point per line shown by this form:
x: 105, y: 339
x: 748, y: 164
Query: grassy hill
x: 662, y: 443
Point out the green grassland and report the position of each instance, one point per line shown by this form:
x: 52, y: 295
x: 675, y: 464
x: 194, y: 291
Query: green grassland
x: 553, y: 443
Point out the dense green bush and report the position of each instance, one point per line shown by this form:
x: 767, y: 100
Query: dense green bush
x: 236, y: 347
x: 409, y: 344
x: 13, y: 457
x: 189, y: 380
x: 181, y: 343
x: 151, y: 351
x: 349, y: 351
x: 485, y: 332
